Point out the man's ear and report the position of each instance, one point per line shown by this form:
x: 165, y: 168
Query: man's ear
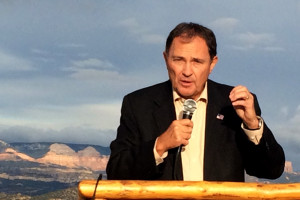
x: 165, y: 56
x: 213, y: 63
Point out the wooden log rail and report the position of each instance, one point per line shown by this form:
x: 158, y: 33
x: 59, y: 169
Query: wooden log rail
x: 201, y: 190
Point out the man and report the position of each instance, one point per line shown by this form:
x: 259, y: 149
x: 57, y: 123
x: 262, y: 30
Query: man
x: 225, y: 137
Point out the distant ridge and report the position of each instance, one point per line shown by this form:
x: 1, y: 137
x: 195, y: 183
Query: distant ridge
x: 39, y: 168
x: 56, y: 154
x: 39, y: 149
x: 63, y: 155
x: 3, y: 146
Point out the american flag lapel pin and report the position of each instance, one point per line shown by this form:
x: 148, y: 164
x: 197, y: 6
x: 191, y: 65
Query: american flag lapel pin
x: 220, y: 116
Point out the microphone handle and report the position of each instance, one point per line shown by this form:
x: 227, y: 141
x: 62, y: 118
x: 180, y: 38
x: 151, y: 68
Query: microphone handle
x: 187, y: 115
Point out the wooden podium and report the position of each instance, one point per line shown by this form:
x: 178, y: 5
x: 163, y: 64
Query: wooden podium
x: 201, y: 190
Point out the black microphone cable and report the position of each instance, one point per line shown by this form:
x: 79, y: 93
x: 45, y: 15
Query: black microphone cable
x: 95, y: 190
x: 189, y: 107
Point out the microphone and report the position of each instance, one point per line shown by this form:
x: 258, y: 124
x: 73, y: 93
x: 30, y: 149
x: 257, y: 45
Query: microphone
x: 189, y: 107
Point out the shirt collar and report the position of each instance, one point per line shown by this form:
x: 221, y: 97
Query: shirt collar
x: 203, y: 95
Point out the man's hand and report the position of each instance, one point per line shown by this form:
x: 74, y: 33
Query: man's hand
x: 243, y: 103
x: 178, y: 133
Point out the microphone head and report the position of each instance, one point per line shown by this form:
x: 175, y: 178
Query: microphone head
x: 189, y: 107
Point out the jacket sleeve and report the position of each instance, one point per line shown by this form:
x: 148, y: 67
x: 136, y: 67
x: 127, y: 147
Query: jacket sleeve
x: 267, y: 159
x: 131, y: 156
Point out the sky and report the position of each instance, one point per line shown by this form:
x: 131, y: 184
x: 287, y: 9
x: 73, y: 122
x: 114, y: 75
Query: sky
x: 65, y: 66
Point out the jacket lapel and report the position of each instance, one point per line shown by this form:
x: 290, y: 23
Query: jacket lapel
x: 164, y: 114
x: 214, y: 118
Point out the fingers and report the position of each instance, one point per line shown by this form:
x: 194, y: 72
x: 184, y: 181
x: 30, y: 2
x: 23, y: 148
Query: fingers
x: 239, y: 95
x: 243, y: 103
x: 186, y: 122
x: 183, y: 131
x: 178, y: 133
x: 185, y: 137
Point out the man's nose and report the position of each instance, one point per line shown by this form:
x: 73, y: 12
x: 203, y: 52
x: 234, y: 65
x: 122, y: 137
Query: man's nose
x: 187, y: 69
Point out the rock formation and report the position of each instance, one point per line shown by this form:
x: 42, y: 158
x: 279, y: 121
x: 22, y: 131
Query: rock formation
x: 62, y: 155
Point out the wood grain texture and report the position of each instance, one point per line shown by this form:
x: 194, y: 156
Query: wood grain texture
x: 201, y: 190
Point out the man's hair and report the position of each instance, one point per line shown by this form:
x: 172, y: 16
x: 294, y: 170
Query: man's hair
x: 190, y: 30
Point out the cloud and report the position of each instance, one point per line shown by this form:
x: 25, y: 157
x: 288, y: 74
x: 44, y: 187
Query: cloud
x: 290, y: 128
x: 274, y: 49
x: 152, y: 39
x: 88, y: 124
x: 92, y: 69
x: 250, y: 38
x: 261, y: 41
x: 91, y: 63
x: 75, y: 135
x: 83, y: 124
x: 101, y: 116
x: 40, y: 52
x: 295, y: 120
x: 132, y: 26
x: 142, y: 33
x: 284, y: 111
x: 71, y: 45
x: 288, y: 134
x: 286, y: 130
x: 226, y: 24
x: 101, y: 75
x: 9, y: 62
x: 245, y: 40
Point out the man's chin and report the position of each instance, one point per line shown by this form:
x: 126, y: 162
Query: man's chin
x: 185, y: 95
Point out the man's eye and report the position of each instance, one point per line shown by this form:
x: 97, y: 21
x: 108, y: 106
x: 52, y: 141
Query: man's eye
x: 177, y: 59
x: 198, y: 61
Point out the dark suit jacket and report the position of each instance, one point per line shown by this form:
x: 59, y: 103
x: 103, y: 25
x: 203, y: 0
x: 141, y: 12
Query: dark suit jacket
x: 148, y: 112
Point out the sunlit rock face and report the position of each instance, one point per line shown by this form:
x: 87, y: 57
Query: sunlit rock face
x: 63, y: 155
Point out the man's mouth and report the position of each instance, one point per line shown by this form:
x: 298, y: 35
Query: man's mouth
x: 185, y: 83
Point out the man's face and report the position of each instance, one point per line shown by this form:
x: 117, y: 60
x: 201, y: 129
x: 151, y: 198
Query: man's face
x: 189, y: 65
